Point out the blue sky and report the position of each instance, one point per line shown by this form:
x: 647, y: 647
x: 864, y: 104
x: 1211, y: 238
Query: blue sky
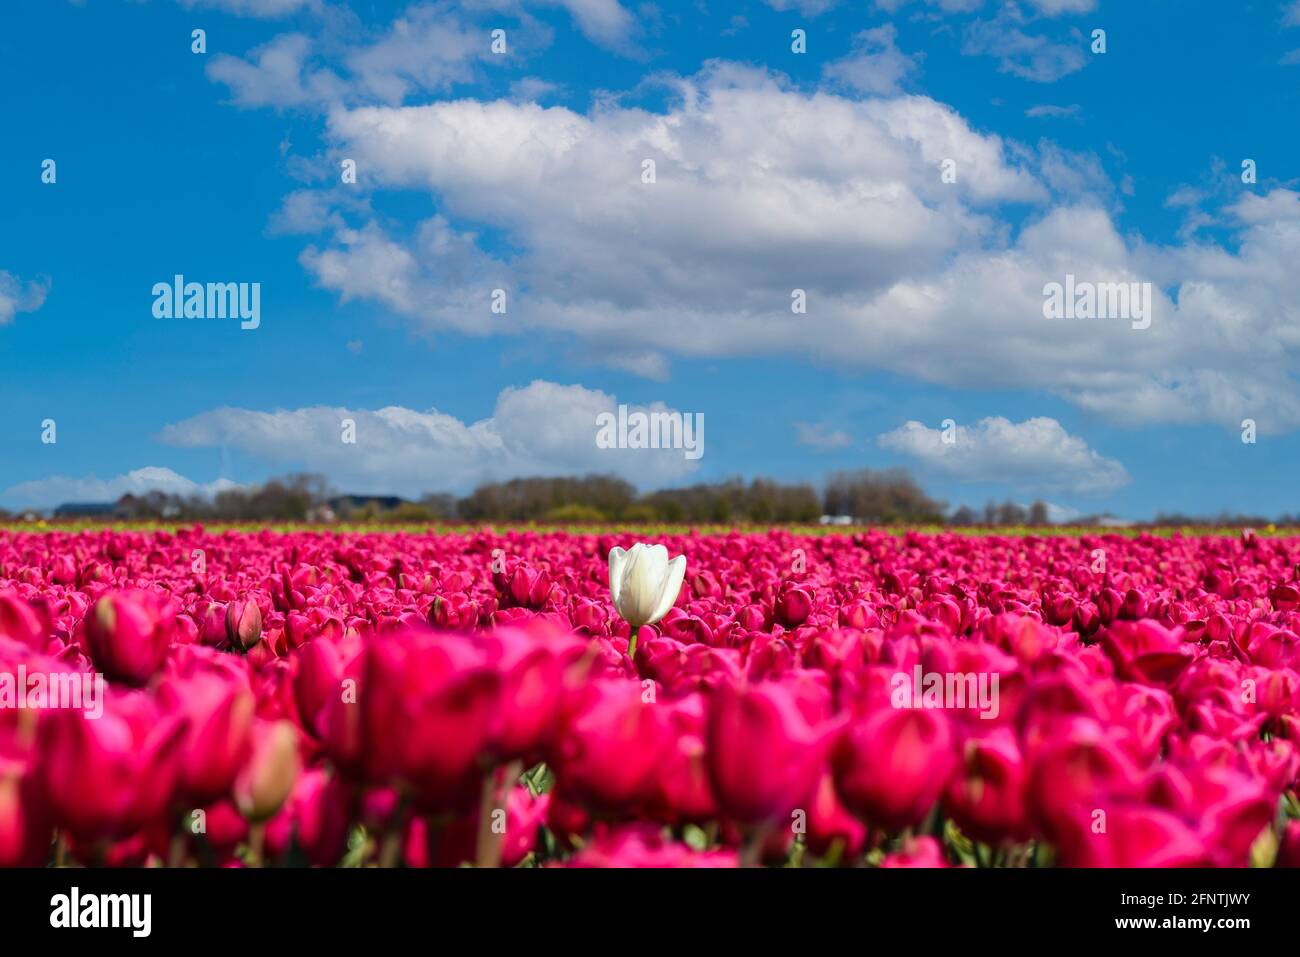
x: 775, y: 171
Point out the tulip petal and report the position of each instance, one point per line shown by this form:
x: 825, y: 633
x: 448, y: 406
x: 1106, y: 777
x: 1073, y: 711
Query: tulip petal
x: 671, y: 587
x: 617, y: 562
x: 641, y: 588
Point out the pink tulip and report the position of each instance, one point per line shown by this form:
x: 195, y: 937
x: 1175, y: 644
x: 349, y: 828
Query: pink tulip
x: 765, y: 755
x: 429, y: 715
x: 128, y: 634
x: 211, y: 693
x: 111, y: 775
x: 985, y: 794
x: 20, y: 622
x: 610, y: 745
x: 891, y: 766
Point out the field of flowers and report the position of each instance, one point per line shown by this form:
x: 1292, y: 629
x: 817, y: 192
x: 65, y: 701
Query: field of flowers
x: 557, y: 699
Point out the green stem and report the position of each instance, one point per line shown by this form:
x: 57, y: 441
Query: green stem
x: 488, y: 850
x: 256, y: 843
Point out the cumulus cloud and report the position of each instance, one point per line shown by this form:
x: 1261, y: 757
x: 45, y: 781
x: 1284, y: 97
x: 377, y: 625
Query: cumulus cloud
x: 1035, y: 455
x: 18, y: 296
x: 540, y: 429
x: 58, y: 489
x: 762, y: 189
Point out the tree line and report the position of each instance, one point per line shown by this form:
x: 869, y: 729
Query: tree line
x: 886, y: 496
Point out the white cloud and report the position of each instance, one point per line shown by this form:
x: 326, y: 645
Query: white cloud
x: 1053, y: 112
x: 1050, y: 8
x: 762, y: 189
x: 1056, y: 8
x: 809, y: 8
x: 60, y: 489
x: 818, y: 436
x: 540, y: 429
x: 602, y: 21
x: 759, y: 189
x: 255, y: 8
x: 1278, y: 206
x: 1030, y: 56
x: 876, y: 65
x: 533, y: 89
x: 1037, y: 454
x: 277, y: 74
x: 443, y: 272
x: 1291, y: 14
x: 945, y: 6
x: 428, y: 49
x: 18, y: 296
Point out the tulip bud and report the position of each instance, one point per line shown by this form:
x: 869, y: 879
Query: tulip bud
x: 243, y: 624
x: 793, y: 606
x: 268, y: 775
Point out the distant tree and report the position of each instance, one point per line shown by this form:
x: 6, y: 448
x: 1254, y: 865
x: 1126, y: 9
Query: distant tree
x: 575, y: 514
x: 887, y: 496
x: 440, y: 504
x: 964, y: 516
x: 531, y: 499
x: 1009, y: 513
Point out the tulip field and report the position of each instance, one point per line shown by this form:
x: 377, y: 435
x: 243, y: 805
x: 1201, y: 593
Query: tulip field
x: 184, y: 697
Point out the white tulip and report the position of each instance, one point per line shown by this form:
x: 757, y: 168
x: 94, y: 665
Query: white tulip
x: 644, y: 584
